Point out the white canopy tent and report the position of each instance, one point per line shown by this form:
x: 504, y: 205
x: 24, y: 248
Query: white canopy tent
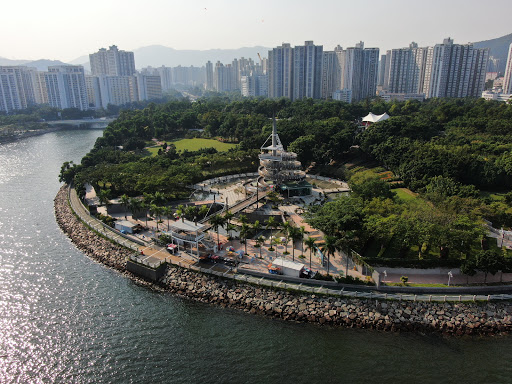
x: 372, y: 118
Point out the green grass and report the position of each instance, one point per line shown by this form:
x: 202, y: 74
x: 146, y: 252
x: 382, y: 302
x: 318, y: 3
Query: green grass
x: 405, y: 195
x: 493, y: 195
x: 197, y: 143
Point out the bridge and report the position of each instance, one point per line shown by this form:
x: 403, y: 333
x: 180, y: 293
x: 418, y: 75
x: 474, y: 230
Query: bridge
x: 82, y: 123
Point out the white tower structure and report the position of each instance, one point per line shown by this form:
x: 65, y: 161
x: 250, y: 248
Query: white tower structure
x: 278, y: 166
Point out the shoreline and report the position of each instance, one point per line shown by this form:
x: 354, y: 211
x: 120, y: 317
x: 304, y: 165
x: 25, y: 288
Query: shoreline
x: 487, y: 318
x: 30, y: 133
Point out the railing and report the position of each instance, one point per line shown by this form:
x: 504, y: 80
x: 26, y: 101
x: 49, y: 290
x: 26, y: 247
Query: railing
x: 306, y: 287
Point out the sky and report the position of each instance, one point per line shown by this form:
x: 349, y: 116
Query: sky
x: 64, y: 30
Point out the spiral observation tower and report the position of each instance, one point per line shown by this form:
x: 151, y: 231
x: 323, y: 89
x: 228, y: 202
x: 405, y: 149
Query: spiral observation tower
x: 280, y: 169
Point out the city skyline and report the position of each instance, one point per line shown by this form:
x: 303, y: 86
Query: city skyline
x: 207, y: 25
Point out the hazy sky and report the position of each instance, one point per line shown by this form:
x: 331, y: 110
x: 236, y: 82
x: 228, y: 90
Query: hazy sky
x: 65, y: 30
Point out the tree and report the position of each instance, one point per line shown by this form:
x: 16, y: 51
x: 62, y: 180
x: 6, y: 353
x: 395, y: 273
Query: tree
x: 489, y: 261
x: 167, y: 211
x: 217, y: 221
x: 260, y: 241
x: 286, y: 229
x: 228, y: 216
x: 157, y: 211
x: 144, y: 205
x: 256, y: 227
x: 134, y: 205
x: 302, y: 232
x: 125, y: 200
x: 244, y: 232
x: 180, y: 211
x: 295, y: 234
x: 329, y: 248
x: 468, y: 268
x: 203, y: 211
x: 271, y: 223
x: 104, y: 196
x: 310, y: 244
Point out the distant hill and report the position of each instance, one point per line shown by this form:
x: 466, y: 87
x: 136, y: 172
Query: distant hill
x: 41, y: 65
x: 158, y: 55
x: 6, y: 62
x: 498, y: 48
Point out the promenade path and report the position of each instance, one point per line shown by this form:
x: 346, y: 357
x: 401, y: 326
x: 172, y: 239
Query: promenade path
x: 153, y: 253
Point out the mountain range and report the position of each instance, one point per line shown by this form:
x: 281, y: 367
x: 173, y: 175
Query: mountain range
x: 158, y: 55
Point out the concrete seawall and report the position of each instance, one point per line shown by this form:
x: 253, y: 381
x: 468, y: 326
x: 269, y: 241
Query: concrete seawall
x: 450, y: 318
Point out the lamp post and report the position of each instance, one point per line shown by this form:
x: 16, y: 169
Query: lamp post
x: 450, y: 275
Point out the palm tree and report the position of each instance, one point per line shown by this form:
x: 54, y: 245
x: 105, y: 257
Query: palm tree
x: 159, y: 198
x: 242, y: 219
x: 256, y: 227
x: 329, y: 248
x: 229, y: 228
x: 191, y: 212
x: 228, y: 216
x: 144, y: 206
x: 302, y: 232
x: 244, y: 231
x: 310, y: 244
x: 271, y: 223
x: 104, y: 196
x: 134, y: 206
x: 203, y: 211
x: 260, y: 241
x: 180, y: 211
x: 295, y: 235
x: 217, y: 221
x: 125, y: 200
x: 286, y: 229
x: 167, y: 211
x: 157, y: 211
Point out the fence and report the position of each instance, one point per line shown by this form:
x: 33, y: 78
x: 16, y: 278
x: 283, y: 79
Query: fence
x: 306, y: 287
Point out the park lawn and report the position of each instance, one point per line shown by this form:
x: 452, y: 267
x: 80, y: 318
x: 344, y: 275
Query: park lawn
x: 153, y: 151
x: 496, y: 196
x: 405, y: 194
x: 198, y: 143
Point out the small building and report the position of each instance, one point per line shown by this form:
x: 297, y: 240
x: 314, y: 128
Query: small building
x: 125, y: 226
x: 187, y: 232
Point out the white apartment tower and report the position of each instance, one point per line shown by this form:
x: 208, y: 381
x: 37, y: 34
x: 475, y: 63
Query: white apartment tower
x: 65, y: 85
x: 507, y: 81
x: 454, y: 70
x: 307, y: 71
x: 280, y: 71
x: 112, y: 62
x: 358, y: 70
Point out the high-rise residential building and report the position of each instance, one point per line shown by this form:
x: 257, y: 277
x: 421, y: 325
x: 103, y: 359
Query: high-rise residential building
x: 307, y: 71
x: 10, y: 93
x: 112, y: 62
x: 224, y: 78
x: 280, y: 71
x: 358, y: 70
x: 404, y: 71
x: 209, y: 76
x: 65, y: 85
x: 92, y: 84
x: 382, y: 70
x: 254, y: 85
x: 148, y: 87
x: 295, y: 73
x: 507, y: 80
x: 454, y: 70
x: 330, y: 73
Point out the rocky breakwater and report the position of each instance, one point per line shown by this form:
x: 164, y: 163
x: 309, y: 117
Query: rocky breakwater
x: 449, y: 318
x: 86, y: 240
x: 486, y: 318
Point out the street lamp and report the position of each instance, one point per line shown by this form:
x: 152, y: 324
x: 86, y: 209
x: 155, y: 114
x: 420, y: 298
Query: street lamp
x: 450, y: 275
